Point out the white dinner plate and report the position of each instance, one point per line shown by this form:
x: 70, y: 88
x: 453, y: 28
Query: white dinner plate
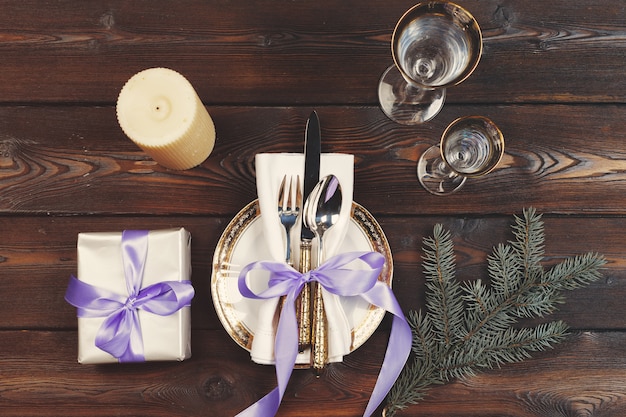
x: 242, y: 243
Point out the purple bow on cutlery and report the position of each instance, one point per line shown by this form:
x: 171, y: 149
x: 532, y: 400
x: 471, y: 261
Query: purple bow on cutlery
x: 338, y: 277
x: 120, y: 333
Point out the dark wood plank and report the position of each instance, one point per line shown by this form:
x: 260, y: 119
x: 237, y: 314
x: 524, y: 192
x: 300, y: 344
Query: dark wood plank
x: 310, y: 53
x: 72, y: 160
x: 38, y: 255
x: 219, y: 380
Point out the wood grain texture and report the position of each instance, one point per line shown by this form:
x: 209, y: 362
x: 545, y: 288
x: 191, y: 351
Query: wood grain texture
x: 319, y: 52
x: 582, y: 375
x: 86, y: 164
x: 551, y: 76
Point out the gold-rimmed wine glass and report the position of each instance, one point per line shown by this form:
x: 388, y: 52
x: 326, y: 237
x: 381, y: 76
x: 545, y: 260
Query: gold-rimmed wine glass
x: 471, y: 146
x: 435, y: 44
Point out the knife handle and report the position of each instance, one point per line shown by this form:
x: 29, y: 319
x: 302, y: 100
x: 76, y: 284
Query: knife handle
x: 303, y: 302
x: 319, y: 337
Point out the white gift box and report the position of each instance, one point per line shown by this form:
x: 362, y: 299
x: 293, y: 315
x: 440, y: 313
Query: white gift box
x: 165, y: 338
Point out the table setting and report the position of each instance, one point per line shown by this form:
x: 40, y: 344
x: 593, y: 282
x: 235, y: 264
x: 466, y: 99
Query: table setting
x: 347, y: 301
x: 292, y: 275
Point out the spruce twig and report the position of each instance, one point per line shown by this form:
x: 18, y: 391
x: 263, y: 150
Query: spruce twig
x: 470, y: 327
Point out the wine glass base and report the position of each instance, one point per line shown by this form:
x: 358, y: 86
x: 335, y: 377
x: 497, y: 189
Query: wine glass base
x: 435, y: 175
x: 406, y: 104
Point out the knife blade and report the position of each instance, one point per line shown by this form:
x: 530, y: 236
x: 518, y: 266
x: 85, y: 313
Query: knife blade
x: 312, y: 151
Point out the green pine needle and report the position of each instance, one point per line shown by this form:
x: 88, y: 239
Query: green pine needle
x: 472, y: 326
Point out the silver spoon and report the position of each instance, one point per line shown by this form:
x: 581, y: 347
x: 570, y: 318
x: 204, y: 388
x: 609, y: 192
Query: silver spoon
x: 321, y: 212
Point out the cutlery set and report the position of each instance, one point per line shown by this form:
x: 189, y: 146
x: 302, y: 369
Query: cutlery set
x: 322, y: 205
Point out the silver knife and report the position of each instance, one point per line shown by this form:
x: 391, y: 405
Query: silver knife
x: 312, y: 151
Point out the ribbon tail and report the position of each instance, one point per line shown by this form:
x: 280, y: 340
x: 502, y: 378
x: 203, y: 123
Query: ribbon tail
x: 285, y: 353
x: 398, y: 348
x: 120, y: 336
x: 266, y: 406
x: 135, y: 350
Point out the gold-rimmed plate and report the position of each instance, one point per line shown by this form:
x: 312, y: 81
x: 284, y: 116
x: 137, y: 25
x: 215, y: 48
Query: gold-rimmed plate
x: 242, y: 242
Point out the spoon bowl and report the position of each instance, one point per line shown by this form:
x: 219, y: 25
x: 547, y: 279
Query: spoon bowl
x: 322, y: 209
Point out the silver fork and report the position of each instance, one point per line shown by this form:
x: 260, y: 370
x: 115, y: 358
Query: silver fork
x: 289, y: 207
x: 289, y: 203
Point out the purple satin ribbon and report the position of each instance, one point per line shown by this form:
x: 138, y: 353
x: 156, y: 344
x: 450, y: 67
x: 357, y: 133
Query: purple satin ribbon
x: 120, y: 333
x: 337, y: 277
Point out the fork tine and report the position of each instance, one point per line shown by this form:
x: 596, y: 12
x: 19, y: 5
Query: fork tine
x: 281, y: 193
x: 298, y: 193
x: 289, y: 199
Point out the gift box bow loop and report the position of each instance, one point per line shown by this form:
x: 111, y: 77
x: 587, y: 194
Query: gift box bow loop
x: 341, y: 275
x: 120, y: 333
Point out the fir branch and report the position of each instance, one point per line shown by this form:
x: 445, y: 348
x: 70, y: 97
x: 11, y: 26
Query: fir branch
x: 576, y: 272
x: 471, y: 327
x: 529, y: 234
x: 445, y: 306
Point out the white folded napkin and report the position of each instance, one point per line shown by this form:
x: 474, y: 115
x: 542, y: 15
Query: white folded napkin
x: 270, y: 170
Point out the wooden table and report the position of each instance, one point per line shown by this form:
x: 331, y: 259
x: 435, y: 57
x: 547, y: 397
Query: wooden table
x: 551, y: 76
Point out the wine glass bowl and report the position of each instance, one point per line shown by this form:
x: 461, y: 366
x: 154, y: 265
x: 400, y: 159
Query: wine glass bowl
x: 435, y: 44
x: 471, y: 146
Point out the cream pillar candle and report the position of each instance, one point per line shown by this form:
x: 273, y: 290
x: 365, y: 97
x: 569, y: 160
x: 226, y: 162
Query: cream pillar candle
x: 159, y: 110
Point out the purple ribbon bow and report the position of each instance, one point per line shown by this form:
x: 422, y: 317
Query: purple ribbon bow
x: 120, y: 333
x: 336, y: 277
